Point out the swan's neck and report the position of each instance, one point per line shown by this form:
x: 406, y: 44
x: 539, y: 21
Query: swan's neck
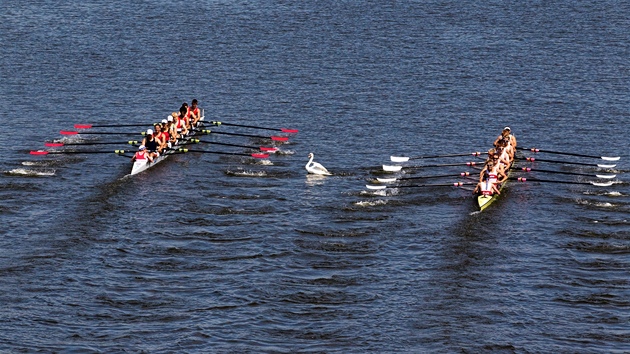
x: 311, y: 160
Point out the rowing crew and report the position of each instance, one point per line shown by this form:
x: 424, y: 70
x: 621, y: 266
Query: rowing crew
x: 497, y: 164
x: 165, y: 135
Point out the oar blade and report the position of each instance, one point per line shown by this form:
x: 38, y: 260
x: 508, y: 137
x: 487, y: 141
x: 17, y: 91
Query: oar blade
x: 279, y: 138
x: 602, y: 184
x: 83, y: 126
x: 286, y: 130
x: 399, y: 158
x: 268, y: 149
x: 386, y: 180
x: 390, y: 168
x: 611, y: 158
x: 606, y: 176
x: 39, y: 152
x: 369, y: 186
x: 53, y: 144
x: 66, y: 132
x: 606, y: 166
x: 260, y: 156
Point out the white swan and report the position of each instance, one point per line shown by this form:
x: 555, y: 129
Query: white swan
x: 316, y: 168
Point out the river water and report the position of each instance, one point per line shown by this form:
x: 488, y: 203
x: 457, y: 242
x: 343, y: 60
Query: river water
x: 219, y: 253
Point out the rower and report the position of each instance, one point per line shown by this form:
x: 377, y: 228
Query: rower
x: 166, y: 136
x: 185, y: 110
x: 195, y: 112
x: 151, y: 144
x: 159, y: 137
x: 142, y: 155
x: 180, y: 122
x: 486, y: 186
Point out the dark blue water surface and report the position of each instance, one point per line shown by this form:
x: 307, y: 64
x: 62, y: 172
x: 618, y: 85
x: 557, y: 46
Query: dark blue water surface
x: 220, y: 253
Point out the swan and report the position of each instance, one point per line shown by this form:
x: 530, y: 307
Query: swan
x: 316, y: 168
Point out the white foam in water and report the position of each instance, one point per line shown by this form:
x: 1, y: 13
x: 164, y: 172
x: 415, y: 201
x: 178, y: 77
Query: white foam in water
x: 248, y: 173
x: 371, y: 203
x: 25, y: 172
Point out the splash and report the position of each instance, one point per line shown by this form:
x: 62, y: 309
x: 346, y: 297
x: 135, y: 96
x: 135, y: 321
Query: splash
x: 370, y: 203
x: 244, y: 173
x: 30, y: 173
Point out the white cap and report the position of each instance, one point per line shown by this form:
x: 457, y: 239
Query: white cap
x: 164, y: 121
x: 507, y: 128
x: 170, y: 118
x: 142, y: 147
x: 149, y: 131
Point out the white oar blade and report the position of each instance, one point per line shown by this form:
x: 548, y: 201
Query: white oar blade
x: 606, y: 166
x: 605, y: 184
x: 389, y: 168
x: 611, y: 158
x: 375, y: 187
x: 386, y: 180
x: 606, y: 176
x: 399, y: 159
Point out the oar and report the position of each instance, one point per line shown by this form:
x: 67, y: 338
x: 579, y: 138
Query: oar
x: 523, y: 179
x: 131, y: 142
x: 390, y: 168
x: 389, y: 180
x: 261, y: 148
x: 532, y: 159
x: 456, y: 184
x: 405, y: 159
x: 274, y: 138
x: 258, y: 156
x: 571, y: 154
x: 42, y: 152
x: 529, y: 169
x: 67, y: 132
x: 284, y: 130
x: 88, y: 126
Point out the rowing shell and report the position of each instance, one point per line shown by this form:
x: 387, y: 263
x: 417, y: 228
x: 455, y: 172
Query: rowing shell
x: 484, y: 201
x: 143, y: 165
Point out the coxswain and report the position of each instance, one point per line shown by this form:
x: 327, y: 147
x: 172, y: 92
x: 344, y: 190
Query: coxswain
x: 142, y: 155
x: 151, y: 144
x: 506, y: 134
x: 195, y: 113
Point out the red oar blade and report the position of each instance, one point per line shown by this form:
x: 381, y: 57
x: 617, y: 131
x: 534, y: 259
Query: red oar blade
x: 268, y: 149
x: 39, y: 152
x: 83, y: 126
x: 279, y: 138
x: 53, y: 144
x: 285, y: 130
x: 65, y: 132
x: 260, y: 156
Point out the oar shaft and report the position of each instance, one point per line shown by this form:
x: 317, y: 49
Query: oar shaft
x: 285, y: 130
x: 88, y: 126
x: 235, y: 134
x: 532, y: 159
x: 223, y: 153
x: 527, y: 169
x: 471, y: 163
x: 523, y: 179
x: 564, y: 153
